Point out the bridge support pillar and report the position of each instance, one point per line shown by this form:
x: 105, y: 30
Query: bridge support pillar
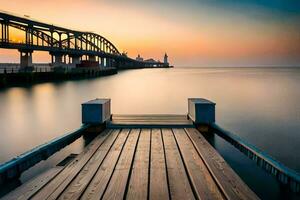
x: 112, y: 61
x: 26, y: 60
x: 92, y: 58
x: 58, y: 60
x: 75, y: 60
x: 102, y: 61
x: 109, y: 62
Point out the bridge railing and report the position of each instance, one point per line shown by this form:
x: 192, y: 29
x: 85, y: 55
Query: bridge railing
x: 16, y: 69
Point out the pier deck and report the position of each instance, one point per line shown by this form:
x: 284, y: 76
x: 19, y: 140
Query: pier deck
x: 150, y: 121
x: 140, y: 162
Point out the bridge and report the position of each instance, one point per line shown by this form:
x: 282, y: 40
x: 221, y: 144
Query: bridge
x: 65, y: 46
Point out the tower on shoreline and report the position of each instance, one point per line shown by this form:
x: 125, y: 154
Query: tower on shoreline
x: 166, y: 59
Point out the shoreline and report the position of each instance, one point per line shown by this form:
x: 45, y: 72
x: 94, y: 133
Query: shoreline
x: 13, y: 77
x: 29, y: 78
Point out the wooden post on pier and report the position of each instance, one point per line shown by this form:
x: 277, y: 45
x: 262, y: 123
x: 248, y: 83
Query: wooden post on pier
x: 202, y: 113
x: 96, y: 113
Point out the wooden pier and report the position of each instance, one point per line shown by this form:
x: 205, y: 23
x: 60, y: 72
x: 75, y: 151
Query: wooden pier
x: 134, y: 163
x: 142, y: 157
x: 140, y: 163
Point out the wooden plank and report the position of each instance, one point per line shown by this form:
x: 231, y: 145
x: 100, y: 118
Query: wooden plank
x: 158, y: 177
x: 73, y: 190
x: 138, y: 184
x: 150, y: 119
x: 118, y: 182
x: 152, y: 122
x: 154, y: 117
x: 202, y: 181
x: 231, y: 184
x: 26, y: 190
x: 176, y: 171
x: 149, y: 126
x: 101, y: 179
x: 72, y: 169
x: 116, y: 116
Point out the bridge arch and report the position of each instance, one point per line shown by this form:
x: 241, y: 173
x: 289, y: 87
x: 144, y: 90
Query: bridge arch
x: 45, y: 35
x: 63, y: 42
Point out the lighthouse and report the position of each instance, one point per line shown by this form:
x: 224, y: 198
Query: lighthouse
x: 166, y: 59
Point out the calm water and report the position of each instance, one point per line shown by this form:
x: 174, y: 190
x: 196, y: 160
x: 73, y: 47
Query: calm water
x: 261, y: 105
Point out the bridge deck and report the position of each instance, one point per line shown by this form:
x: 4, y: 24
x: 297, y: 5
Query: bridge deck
x: 141, y: 163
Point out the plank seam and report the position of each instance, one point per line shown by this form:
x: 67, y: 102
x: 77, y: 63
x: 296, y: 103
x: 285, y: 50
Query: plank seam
x: 131, y: 165
x: 166, y: 165
x: 7, y: 195
x: 45, y: 184
x: 106, y: 186
x: 196, y: 195
x: 66, y: 167
x: 88, y: 162
x: 219, y: 185
x: 109, y: 132
x: 149, y: 167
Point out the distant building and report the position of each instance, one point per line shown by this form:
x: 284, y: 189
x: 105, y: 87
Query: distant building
x: 151, y: 60
x: 166, y: 62
x: 139, y: 58
x: 124, y: 54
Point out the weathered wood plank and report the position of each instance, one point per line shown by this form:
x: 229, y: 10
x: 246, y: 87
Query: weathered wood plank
x: 158, y: 176
x: 180, y: 187
x: 153, y: 116
x: 150, y: 120
x: 74, y: 189
x: 72, y: 169
x: 233, y: 187
x: 118, y: 182
x: 28, y: 189
x: 149, y: 126
x: 99, y: 182
x: 138, y: 184
x: 203, y: 183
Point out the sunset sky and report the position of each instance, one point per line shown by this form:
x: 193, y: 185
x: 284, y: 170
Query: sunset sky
x: 192, y: 32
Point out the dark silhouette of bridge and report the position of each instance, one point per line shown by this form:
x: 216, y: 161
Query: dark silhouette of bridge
x: 62, y: 44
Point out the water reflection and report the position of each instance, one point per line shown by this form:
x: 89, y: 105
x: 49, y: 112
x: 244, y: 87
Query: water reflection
x: 259, y: 104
